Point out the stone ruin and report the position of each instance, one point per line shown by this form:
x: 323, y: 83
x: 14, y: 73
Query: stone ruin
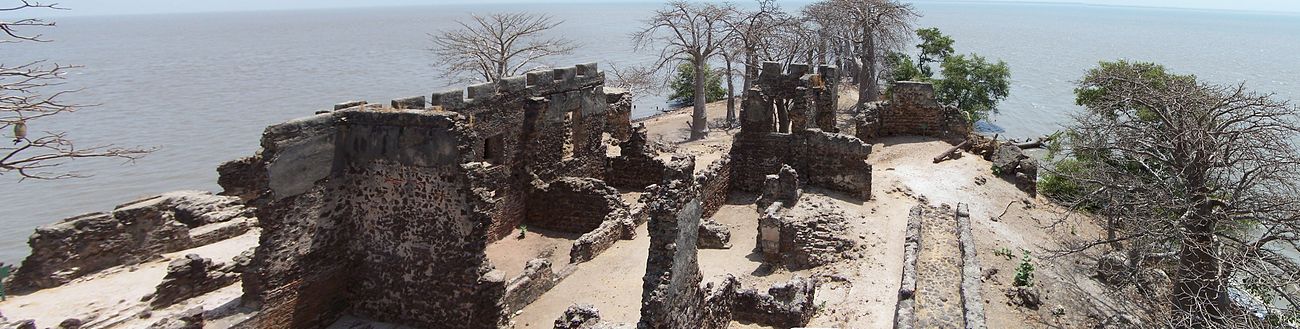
x: 788, y: 118
x: 911, y: 109
x: 367, y: 209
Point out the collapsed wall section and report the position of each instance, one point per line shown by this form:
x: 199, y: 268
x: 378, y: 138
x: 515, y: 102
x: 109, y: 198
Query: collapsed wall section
x: 911, y: 109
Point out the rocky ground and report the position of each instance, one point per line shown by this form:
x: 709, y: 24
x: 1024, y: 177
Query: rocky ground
x: 858, y: 289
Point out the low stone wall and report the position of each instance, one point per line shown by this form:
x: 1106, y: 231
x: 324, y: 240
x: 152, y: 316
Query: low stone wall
x: 972, y: 302
x: 905, y: 310
x: 614, y: 228
x: 912, y: 109
x: 715, y: 185
x: 574, y: 205
x: 831, y: 160
x: 537, y: 279
x: 634, y: 172
x: 132, y: 233
x: 784, y: 305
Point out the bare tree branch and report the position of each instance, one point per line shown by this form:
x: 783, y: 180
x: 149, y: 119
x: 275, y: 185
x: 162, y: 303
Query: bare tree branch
x: 488, y: 48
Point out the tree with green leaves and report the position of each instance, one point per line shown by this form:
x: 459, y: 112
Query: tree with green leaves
x: 683, y: 85
x: 1206, y: 174
x: 971, y: 82
x: 935, y: 48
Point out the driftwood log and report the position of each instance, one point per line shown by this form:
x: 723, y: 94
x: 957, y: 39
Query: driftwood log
x: 1036, y: 143
x: 951, y: 153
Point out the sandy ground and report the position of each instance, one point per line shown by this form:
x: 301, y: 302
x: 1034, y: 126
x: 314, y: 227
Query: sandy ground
x: 611, y: 282
x: 113, y: 296
x: 511, y: 254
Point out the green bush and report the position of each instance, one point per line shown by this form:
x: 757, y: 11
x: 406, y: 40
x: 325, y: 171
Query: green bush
x: 683, y: 85
x: 1024, y: 272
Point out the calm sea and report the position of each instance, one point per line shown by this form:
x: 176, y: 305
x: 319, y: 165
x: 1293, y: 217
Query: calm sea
x: 202, y: 87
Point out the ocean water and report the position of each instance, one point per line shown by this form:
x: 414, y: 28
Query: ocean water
x: 202, y: 87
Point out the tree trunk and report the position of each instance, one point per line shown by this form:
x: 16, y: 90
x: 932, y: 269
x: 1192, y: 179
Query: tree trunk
x: 1198, y: 291
x: 751, y: 70
x: 731, y: 95
x: 867, y: 88
x: 699, y: 119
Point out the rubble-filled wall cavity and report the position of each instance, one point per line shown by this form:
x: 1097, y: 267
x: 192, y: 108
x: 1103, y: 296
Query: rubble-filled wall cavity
x: 772, y: 133
x: 911, y: 109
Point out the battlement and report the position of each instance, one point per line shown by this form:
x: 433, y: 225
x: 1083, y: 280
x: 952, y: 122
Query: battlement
x: 532, y: 83
x: 773, y: 71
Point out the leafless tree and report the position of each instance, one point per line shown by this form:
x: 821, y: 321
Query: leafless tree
x: 639, y: 80
x: 883, y: 25
x: 1208, y: 175
x: 28, y: 93
x: 691, y: 32
x: 496, y: 46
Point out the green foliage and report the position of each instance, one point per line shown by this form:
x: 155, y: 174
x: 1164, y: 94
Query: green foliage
x: 935, y: 47
x: 683, y: 85
x: 523, y: 231
x: 1005, y: 253
x: 974, y: 84
x: 1024, y: 272
x: 971, y: 82
x: 902, y: 68
x: 1095, y: 91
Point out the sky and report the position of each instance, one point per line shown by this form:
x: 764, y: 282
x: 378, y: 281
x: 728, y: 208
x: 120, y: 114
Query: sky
x: 128, y: 7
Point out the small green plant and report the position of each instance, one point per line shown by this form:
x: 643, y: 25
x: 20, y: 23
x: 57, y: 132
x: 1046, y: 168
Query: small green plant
x: 821, y: 307
x: 523, y: 231
x: 1025, y: 272
x: 1004, y: 252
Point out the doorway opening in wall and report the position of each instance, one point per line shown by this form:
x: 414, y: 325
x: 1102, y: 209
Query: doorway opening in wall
x: 493, y: 149
x: 570, y: 133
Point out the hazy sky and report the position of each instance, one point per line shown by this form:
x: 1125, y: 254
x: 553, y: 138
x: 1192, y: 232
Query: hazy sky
x: 118, y: 7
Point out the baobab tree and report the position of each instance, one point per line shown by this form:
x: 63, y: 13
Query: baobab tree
x: 690, y: 32
x: 1206, y: 174
x: 883, y: 24
x: 29, y: 93
x: 488, y: 48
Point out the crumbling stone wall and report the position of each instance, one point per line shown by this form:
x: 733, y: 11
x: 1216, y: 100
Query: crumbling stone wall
x: 637, y: 164
x: 830, y: 160
x: 776, y: 130
x: 672, y: 296
x: 537, y: 279
x: 911, y: 109
x: 715, y: 185
x: 785, y: 305
x: 389, y: 218
x: 574, y: 205
x: 618, y: 120
x: 132, y: 233
x: 369, y: 209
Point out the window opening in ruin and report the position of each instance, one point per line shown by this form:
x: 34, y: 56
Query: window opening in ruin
x: 493, y: 149
x: 783, y: 115
x: 570, y: 134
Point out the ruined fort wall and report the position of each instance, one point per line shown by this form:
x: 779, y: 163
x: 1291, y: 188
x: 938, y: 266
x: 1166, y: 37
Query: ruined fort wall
x: 391, y: 219
x: 414, y: 226
x: 913, y: 110
x: 574, y: 205
x: 715, y: 185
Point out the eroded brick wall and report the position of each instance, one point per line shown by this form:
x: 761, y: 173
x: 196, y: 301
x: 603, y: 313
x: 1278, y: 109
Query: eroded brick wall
x: 823, y: 158
x: 574, y: 205
x: 913, y: 110
x: 715, y: 185
x: 390, y: 218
